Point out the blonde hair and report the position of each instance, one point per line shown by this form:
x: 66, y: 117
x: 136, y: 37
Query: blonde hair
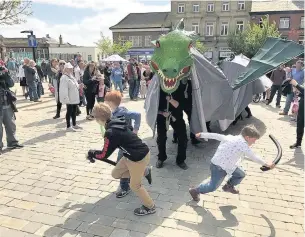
x: 250, y: 131
x: 102, y: 112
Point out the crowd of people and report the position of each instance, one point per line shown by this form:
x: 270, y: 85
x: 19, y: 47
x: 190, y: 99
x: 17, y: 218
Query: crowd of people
x: 76, y: 83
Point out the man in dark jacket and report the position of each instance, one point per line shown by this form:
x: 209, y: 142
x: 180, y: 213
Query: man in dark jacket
x: 300, y: 118
x: 7, y: 116
x: 278, y: 76
x: 44, y: 69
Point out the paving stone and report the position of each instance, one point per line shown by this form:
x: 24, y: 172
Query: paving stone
x: 32, y: 227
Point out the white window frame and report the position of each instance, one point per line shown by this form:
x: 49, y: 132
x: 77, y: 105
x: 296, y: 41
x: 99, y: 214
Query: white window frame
x: 209, y: 25
x: 241, y: 5
x: 240, y: 25
x: 181, y: 8
x: 136, y: 41
x: 210, y: 7
x: 225, y: 7
x: 222, y: 26
x: 196, y: 8
x: 123, y: 39
x: 283, y: 23
x: 301, y: 40
x: 195, y: 27
x: 302, y: 22
x: 147, y: 40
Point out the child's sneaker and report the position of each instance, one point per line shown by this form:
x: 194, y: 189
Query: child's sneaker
x: 122, y: 193
x: 195, y: 195
x: 230, y: 189
x: 143, y: 211
x: 77, y: 127
x: 71, y: 129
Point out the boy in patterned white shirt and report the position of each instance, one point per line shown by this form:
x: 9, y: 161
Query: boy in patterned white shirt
x: 226, y: 159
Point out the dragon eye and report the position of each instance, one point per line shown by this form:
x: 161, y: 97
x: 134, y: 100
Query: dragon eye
x: 158, y: 44
x: 190, y: 45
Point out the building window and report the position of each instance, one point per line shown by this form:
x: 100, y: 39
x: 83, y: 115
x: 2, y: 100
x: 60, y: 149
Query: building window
x: 209, y: 30
x: 122, y: 39
x: 181, y: 7
x: 225, y: 6
x: 196, y: 8
x: 89, y: 58
x: 210, y: 7
x: 147, y: 40
x: 136, y: 41
x: 224, y: 29
x: 301, y: 40
x: 284, y: 23
x: 240, y: 26
x: 195, y: 28
x: 302, y: 22
x: 241, y: 5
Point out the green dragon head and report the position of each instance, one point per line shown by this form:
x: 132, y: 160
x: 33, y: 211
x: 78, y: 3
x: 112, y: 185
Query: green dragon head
x: 172, y: 59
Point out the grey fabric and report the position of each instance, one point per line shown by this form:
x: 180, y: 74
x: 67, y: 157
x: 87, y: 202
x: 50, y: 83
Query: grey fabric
x: 8, y: 121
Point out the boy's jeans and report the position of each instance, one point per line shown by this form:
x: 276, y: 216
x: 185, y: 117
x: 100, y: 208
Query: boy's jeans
x: 118, y: 84
x: 124, y: 182
x: 289, y: 99
x: 217, y: 176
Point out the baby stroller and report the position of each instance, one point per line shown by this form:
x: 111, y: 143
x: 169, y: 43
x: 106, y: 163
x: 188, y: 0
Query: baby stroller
x: 257, y: 98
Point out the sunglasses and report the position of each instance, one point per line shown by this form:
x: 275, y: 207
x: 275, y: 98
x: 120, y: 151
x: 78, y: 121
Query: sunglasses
x: 62, y: 64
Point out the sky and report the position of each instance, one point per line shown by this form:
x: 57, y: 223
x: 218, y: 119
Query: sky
x: 80, y: 22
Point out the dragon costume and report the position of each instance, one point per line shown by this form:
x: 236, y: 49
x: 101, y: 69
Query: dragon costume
x: 186, y: 81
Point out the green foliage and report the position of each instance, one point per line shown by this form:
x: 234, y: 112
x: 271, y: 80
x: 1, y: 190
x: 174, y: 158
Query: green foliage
x: 199, y: 46
x: 121, y: 47
x: 252, y: 38
x: 106, y: 46
x: 13, y: 11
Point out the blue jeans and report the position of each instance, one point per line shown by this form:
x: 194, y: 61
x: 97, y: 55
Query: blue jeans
x: 118, y: 84
x: 217, y: 176
x: 289, y: 99
x: 137, y: 89
x: 124, y: 182
x: 33, y: 90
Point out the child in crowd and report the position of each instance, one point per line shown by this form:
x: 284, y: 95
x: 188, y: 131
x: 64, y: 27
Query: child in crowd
x: 102, y: 89
x: 113, y: 99
x: 226, y: 159
x: 143, y: 88
x: 136, y: 154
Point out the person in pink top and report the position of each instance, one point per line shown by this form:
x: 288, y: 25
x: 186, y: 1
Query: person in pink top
x: 102, y: 89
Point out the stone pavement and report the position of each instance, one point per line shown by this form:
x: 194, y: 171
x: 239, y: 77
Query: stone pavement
x: 48, y: 189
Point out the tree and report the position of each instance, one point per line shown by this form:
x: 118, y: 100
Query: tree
x: 105, y: 45
x: 199, y: 46
x: 13, y: 11
x: 120, y: 47
x: 249, y: 41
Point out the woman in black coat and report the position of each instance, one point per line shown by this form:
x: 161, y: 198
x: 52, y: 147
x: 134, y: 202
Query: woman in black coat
x: 300, y: 118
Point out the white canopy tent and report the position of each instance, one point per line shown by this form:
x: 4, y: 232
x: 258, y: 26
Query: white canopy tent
x: 114, y: 58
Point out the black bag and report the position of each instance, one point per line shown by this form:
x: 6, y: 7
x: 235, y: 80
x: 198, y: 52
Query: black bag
x: 286, y: 88
x: 11, y: 99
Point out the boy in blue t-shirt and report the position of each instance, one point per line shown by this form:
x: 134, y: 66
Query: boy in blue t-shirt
x: 113, y: 99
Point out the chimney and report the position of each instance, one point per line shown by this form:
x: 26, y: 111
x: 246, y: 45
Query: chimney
x: 60, y: 40
x: 47, y: 36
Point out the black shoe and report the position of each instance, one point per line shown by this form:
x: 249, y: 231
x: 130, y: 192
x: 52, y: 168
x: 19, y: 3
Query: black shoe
x: 56, y: 117
x: 148, y: 176
x: 159, y: 164
x: 143, y: 211
x: 195, y: 141
x: 122, y: 193
x: 15, y: 146
x: 294, y: 146
x: 183, y: 166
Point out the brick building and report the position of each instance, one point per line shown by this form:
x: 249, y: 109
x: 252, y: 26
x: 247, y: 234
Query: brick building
x: 287, y: 14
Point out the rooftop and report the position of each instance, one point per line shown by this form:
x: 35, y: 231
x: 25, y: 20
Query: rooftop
x: 143, y: 20
x: 277, y: 5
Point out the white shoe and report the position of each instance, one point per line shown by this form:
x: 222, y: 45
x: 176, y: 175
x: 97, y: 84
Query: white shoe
x: 77, y: 127
x: 71, y: 129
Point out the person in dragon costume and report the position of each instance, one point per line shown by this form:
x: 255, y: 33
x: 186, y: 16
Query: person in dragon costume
x: 186, y: 81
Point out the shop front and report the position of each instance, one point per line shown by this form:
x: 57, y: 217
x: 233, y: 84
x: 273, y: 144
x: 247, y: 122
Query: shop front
x: 140, y: 54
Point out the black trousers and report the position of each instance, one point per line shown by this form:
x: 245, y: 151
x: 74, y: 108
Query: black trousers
x: 58, y: 108
x: 90, y: 97
x: 71, y: 114
x: 180, y: 129
x: 300, y: 122
x: 274, y: 89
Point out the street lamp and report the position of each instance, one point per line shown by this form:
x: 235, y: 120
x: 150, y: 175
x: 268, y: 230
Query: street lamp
x: 33, y: 48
